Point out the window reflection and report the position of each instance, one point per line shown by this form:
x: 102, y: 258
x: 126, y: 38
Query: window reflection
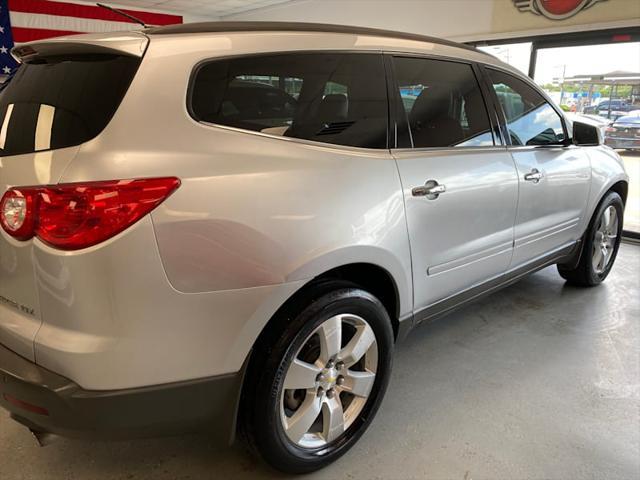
x: 332, y: 98
x: 530, y: 118
x: 44, y: 127
x: 442, y: 103
x: 5, y: 126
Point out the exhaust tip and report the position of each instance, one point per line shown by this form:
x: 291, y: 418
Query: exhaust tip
x: 43, y: 438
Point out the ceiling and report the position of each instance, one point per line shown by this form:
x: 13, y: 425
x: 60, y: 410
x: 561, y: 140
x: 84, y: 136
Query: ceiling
x: 204, y: 8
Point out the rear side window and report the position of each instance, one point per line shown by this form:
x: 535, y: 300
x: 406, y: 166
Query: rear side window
x: 332, y: 98
x: 442, y: 103
x: 530, y: 118
x: 61, y: 102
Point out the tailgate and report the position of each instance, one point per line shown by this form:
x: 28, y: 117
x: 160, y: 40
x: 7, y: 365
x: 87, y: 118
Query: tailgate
x: 19, y: 310
x: 63, y: 95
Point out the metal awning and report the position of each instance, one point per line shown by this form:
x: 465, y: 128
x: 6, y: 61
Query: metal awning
x: 612, y: 78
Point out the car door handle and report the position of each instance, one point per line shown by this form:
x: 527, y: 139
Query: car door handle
x: 534, y: 176
x: 431, y: 190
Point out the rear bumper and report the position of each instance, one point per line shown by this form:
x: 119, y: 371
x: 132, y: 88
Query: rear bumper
x: 63, y: 408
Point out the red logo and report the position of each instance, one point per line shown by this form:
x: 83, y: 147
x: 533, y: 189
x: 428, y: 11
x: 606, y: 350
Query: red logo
x: 554, y: 9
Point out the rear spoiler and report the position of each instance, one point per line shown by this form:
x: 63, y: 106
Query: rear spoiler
x: 127, y: 43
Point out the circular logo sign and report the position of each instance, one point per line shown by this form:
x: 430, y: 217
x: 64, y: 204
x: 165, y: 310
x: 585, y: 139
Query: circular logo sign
x: 554, y: 9
x: 559, y: 9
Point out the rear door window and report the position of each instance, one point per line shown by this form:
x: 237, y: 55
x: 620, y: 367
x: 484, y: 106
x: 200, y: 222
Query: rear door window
x: 62, y: 101
x: 442, y: 103
x: 324, y: 97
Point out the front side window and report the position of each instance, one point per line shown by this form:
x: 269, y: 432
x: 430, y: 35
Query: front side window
x: 443, y: 103
x: 331, y: 98
x: 530, y: 119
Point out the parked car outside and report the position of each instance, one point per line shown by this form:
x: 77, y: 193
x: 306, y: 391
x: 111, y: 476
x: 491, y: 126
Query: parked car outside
x: 617, y: 107
x: 624, y: 133
x: 228, y: 226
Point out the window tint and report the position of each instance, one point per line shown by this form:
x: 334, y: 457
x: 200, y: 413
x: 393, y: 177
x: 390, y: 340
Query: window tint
x: 62, y: 101
x: 530, y: 118
x: 331, y: 98
x: 443, y: 103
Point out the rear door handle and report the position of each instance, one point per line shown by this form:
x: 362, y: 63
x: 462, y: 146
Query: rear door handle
x: 431, y: 190
x: 535, y: 176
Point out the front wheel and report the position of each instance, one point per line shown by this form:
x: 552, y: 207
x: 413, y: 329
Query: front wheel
x: 320, y: 384
x: 601, y: 243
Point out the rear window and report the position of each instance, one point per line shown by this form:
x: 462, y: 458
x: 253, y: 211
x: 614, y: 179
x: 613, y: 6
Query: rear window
x: 62, y: 101
x: 326, y: 97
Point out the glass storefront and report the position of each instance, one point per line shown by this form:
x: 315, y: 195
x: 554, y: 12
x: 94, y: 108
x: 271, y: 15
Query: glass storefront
x: 598, y: 82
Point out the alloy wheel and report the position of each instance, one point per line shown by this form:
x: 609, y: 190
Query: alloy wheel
x: 604, y: 241
x: 329, y: 380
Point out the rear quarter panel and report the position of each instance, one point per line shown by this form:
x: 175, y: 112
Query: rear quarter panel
x: 255, y: 218
x: 252, y: 210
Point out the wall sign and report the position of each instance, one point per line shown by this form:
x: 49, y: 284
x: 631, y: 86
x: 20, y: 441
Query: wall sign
x: 554, y: 9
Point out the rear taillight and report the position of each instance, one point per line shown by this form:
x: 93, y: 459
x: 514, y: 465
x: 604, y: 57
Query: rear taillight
x: 79, y: 215
x: 17, y: 213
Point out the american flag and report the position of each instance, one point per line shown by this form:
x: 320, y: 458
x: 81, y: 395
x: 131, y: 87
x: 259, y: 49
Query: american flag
x: 27, y: 20
x: 7, y: 63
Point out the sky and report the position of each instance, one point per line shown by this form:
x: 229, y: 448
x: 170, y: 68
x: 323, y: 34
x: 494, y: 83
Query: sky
x: 584, y: 60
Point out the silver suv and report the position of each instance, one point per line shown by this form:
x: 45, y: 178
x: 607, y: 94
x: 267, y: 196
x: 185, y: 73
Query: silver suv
x: 228, y: 226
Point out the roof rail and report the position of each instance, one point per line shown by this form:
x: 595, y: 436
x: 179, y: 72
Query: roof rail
x: 221, y: 27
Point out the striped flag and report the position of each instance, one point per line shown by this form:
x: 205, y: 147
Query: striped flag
x: 7, y: 63
x: 39, y: 19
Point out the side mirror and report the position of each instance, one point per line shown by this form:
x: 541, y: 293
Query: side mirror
x: 586, y: 135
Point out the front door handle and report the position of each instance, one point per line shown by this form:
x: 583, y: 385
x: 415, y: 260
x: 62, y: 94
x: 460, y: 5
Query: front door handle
x: 535, y: 176
x: 431, y: 190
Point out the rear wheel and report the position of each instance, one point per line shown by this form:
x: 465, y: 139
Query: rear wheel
x: 319, y: 385
x: 601, y: 243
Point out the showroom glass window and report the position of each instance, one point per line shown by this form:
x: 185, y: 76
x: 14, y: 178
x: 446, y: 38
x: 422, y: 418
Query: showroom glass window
x: 443, y: 103
x: 325, y: 97
x: 530, y: 119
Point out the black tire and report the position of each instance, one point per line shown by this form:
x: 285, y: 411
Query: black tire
x: 584, y: 274
x: 261, y: 418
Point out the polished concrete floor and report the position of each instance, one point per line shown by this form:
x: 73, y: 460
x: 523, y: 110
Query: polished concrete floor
x: 541, y: 380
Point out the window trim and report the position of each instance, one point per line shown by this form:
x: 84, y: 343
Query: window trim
x: 395, y: 103
x: 568, y: 140
x: 200, y: 64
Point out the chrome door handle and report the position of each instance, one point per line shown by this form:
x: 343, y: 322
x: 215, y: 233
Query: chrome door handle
x: 431, y: 190
x: 535, y: 176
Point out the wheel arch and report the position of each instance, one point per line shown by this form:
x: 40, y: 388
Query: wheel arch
x: 621, y: 187
x: 374, y: 269
x: 618, y: 184
x: 369, y: 276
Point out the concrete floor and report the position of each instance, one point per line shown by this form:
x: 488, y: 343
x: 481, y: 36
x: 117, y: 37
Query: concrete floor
x: 541, y: 380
